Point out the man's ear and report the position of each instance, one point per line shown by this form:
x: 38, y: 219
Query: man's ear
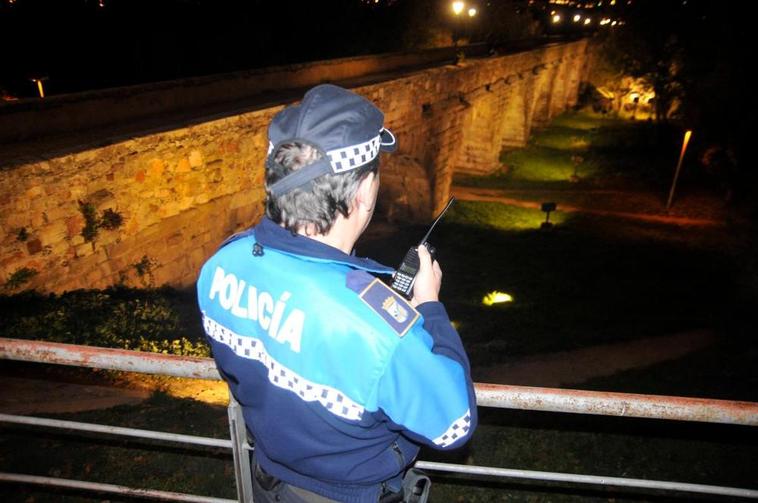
x: 364, y: 196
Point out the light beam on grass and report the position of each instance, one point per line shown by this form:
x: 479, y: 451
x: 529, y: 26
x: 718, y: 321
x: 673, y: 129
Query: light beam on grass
x: 496, y: 297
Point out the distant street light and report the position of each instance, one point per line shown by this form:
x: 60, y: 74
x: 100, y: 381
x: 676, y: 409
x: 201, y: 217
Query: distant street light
x: 685, y: 142
x: 556, y: 18
x: 40, y: 87
x: 458, y: 8
x: 577, y: 18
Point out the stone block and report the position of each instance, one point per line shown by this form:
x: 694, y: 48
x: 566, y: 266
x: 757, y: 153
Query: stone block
x: 196, y: 159
x: 84, y: 250
x: 34, y: 246
x: 175, y: 239
x: 183, y: 166
x: 156, y: 168
x: 52, y: 233
x: 36, y: 191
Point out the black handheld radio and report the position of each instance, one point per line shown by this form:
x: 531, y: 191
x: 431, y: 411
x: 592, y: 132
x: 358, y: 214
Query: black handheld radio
x: 405, y: 276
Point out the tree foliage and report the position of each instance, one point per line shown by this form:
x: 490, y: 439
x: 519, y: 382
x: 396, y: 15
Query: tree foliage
x: 695, y: 54
x: 646, y: 47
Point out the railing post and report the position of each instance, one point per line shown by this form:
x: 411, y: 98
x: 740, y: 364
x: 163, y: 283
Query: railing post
x: 243, y: 475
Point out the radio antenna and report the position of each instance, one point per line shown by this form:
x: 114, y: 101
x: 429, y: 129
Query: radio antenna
x: 439, y: 217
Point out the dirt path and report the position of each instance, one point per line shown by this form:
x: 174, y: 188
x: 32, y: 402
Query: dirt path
x: 24, y: 396
x: 504, y: 197
x: 569, y: 368
x: 28, y: 396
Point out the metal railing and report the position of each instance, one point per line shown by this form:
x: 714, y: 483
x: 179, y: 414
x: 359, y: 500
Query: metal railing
x: 488, y: 395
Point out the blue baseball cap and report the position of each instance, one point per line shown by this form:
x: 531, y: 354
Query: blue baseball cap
x: 346, y: 128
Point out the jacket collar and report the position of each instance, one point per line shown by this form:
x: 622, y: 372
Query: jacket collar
x: 270, y: 234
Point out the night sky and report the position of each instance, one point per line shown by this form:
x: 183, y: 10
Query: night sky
x: 88, y: 44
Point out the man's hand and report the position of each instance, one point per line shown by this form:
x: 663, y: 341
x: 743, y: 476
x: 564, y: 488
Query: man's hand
x: 428, y: 280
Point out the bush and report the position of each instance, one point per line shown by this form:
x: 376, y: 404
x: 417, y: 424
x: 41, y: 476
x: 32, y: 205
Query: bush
x: 142, y: 320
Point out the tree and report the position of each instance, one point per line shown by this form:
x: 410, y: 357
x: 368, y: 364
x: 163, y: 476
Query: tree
x: 648, y: 47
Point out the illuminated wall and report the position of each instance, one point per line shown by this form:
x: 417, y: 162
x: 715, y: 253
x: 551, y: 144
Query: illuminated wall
x: 149, y: 208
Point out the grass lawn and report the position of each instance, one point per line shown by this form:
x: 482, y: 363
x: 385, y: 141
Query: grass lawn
x: 590, y: 280
x: 600, y: 151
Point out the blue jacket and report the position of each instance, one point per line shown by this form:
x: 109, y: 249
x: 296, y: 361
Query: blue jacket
x: 340, y: 379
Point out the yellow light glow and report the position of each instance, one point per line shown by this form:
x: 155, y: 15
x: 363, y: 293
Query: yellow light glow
x: 472, y: 12
x: 687, y: 135
x: 557, y: 18
x: 496, y: 297
x: 587, y: 21
x: 40, y: 88
x: 457, y: 7
x: 577, y: 18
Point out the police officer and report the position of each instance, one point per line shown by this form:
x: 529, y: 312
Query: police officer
x: 341, y: 379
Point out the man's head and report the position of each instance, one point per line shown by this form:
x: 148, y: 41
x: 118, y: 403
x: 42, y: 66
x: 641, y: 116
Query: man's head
x: 320, y: 151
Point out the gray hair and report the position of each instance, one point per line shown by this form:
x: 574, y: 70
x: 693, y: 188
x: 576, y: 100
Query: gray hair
x: 316, y: 203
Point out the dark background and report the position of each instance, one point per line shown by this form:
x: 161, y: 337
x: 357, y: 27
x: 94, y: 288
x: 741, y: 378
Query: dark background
x: 80, y: 45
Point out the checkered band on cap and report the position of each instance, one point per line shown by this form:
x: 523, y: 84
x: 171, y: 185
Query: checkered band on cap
x: 352, y: 157
x: 279, y: 375
x: 345, y: 159
x: 456, y: 431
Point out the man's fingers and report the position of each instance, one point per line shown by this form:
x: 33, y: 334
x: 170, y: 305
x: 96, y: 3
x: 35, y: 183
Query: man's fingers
x: 437, y: 269
x: 425, y: 259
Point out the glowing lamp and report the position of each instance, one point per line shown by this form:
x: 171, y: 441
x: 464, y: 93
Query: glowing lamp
x: 457, y: 7
x: 496, y: 297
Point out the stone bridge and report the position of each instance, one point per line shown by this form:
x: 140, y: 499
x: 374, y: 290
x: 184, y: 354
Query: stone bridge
x: 139, y: 185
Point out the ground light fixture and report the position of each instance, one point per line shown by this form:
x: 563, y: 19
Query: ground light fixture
x: 547, y: 207
x: 496, y: 297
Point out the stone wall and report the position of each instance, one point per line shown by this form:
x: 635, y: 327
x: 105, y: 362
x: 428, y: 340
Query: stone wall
x: 178, y: 193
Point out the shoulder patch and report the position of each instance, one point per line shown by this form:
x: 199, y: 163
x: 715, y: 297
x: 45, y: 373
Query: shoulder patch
x: 396, y: 311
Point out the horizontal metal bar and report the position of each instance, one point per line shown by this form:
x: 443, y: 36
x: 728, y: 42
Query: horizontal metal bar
x: 117, y: 430
x: 109, y: 488
x: 427, y: 465
x: 589, y: 479
x: 488, y: 395
x: 608, y: 403
x: 108, y: 358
